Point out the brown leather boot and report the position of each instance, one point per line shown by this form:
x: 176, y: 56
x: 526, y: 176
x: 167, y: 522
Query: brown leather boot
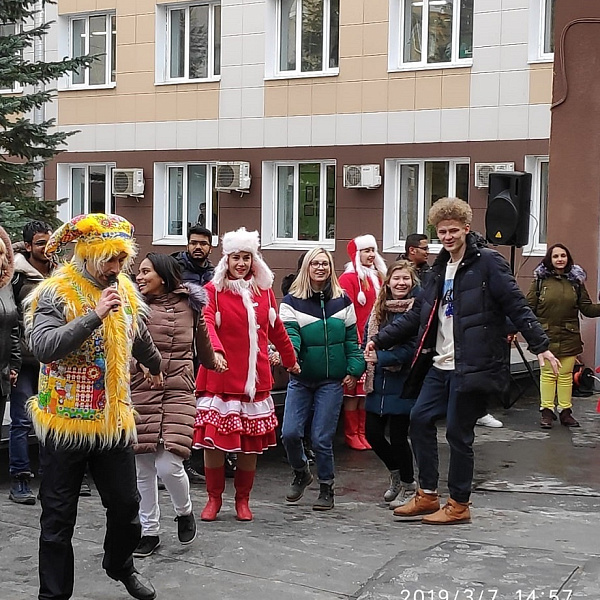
x: 567, y: 419
x: 451, y: 513
x: 546, y: 418
x: 420, y: 504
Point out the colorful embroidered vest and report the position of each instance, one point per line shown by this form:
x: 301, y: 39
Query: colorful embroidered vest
x: 83, y: 398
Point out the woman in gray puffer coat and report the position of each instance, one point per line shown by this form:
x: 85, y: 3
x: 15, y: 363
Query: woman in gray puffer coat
x: 10, y: 345
x: 165, y: 417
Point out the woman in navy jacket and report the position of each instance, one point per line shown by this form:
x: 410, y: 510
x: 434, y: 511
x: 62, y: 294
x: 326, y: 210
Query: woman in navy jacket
x: 387, y: 371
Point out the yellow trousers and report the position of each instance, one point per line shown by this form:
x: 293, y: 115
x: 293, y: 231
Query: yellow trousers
x: 560, y: 385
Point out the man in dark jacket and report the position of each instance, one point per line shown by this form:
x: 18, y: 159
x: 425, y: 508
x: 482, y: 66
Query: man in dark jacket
x: 195, y: 266
x: 32, y: 266
x: 416, y: 250
x: 460, y: 318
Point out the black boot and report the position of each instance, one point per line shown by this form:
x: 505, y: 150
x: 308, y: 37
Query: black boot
x: 20, y: 492
x: 325, y: 499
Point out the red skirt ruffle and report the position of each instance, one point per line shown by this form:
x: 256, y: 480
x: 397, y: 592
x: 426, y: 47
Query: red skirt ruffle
x: 233, y: 423
x: 359, y: 390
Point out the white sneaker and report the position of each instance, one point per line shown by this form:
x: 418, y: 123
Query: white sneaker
x: 407, y: 491
x: 489, y: 421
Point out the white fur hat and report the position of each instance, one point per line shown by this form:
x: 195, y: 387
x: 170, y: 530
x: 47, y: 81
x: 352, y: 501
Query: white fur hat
x: 243, y: 240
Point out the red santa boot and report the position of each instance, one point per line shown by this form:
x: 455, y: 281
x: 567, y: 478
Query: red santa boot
x: 351, y: 425
x: 215, y: 486
x: 362, y: 419
x: 243, y: 481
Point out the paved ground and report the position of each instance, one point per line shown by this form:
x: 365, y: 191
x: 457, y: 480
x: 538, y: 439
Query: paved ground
x: 535, y: 532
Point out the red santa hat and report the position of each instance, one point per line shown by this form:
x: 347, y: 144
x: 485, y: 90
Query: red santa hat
x: 374, y: 274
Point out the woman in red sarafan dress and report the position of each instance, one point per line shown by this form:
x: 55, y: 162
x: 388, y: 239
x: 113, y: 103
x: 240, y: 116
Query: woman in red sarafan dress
x: 234, y: 409
x: 361, y: 280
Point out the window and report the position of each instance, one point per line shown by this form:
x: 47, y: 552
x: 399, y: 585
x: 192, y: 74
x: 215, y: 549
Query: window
x: 95, y: 35
x: 192, y: 42
x: 411, y: 188
x: 87, y: 188
x: 308, y: 34
x: 6, y: 30
x: 541, y: 31
x: 538, y: 166
x: 298, y: 204
x: 189, y: 198
x: 431, y: 33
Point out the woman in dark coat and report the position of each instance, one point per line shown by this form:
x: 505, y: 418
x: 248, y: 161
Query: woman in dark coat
x: 557, y: 295
x: 165, y: 416
x: 10, y: 349
x: 387, y: 371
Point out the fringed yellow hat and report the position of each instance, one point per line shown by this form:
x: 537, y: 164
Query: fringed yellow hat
x: 97, y: 237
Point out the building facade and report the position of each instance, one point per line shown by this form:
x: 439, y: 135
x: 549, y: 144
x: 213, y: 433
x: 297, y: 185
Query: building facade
x: 424, y: 89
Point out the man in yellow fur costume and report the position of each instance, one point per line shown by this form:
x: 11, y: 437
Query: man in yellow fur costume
x: 83, y: 324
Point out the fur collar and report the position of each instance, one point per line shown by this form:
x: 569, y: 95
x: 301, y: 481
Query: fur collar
x: 575, y: 275
x: 197, y: 296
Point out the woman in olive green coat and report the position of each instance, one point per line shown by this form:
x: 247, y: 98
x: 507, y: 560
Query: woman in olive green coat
x: 557, y: 295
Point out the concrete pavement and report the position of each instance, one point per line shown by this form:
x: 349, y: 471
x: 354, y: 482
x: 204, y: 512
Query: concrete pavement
x: 535, y: 531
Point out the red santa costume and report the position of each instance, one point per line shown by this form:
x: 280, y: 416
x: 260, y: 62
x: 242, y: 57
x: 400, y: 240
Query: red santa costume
x: 234, y: 409
x: 362, y: 284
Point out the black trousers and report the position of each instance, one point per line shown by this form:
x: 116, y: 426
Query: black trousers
x: 395, y: 454
x: 113, y: 471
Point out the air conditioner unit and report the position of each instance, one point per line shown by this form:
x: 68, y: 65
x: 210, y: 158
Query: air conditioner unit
x: 233, y: 176
x: 127, y: 182
x: 362, y: 176
x: 483, y: 170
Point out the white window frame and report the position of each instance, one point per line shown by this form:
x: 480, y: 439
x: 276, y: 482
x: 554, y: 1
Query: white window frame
x: 65, y: 48
x: 533, y: 165
x: 160, y: 207
x: 16, y: 88
x: 163, y: 43
x: 391, y: 199
x: 273, y: 44
x: 269, y: 237
x: 537, y: 32
x: 64, y: 187
x: 396, y: 40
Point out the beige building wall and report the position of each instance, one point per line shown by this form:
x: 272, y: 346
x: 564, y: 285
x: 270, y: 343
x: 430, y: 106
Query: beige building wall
x: 135, y: 98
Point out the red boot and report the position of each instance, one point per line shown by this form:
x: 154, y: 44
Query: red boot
x: 362, y: 419
x: 215, y: 486
x: 243, y: 481
x: 351, y: 424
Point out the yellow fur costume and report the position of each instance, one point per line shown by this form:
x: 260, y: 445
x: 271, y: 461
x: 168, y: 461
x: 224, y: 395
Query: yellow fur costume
x: 84, y: 398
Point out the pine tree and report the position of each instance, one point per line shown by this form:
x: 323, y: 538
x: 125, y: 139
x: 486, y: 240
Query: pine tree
x: 26, y: 145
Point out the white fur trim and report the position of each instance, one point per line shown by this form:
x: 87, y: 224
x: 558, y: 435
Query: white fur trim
x: 218, y: 318
x: 365, y: 241
x: 250, y: 387
x: 272, y: 316
x: 241, y: 240
x: 362, y: 299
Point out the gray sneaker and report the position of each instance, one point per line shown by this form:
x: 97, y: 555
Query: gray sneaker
x: 302, y: 479
x: 407, y: 491
x: 395, y: 486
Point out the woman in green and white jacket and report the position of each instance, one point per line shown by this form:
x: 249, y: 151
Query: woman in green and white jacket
x: 321, y: 322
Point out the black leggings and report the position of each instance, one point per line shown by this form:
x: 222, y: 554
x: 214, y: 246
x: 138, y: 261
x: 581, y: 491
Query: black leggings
x: 395, y: 454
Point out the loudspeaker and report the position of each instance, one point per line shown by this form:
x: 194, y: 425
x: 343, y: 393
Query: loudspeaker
x: 509, y: 203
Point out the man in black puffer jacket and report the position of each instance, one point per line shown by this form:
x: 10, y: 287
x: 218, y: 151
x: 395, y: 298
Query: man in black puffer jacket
x: 461, y: 320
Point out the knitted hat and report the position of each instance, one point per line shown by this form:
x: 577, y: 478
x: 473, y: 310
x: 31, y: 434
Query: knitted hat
x: 97, y: 237
x: 374, y: 274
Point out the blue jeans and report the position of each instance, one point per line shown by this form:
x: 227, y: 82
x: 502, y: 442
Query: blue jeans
x: 438, y: 400
x: 323, y: 399
x: 20, y: 425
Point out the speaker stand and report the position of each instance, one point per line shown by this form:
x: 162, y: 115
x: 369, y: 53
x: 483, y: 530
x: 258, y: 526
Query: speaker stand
x: 507, y: 403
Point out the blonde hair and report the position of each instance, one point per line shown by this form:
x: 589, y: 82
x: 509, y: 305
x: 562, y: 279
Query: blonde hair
x: 384, y: 292
x: 302, y: 288
x: 450, y: 209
